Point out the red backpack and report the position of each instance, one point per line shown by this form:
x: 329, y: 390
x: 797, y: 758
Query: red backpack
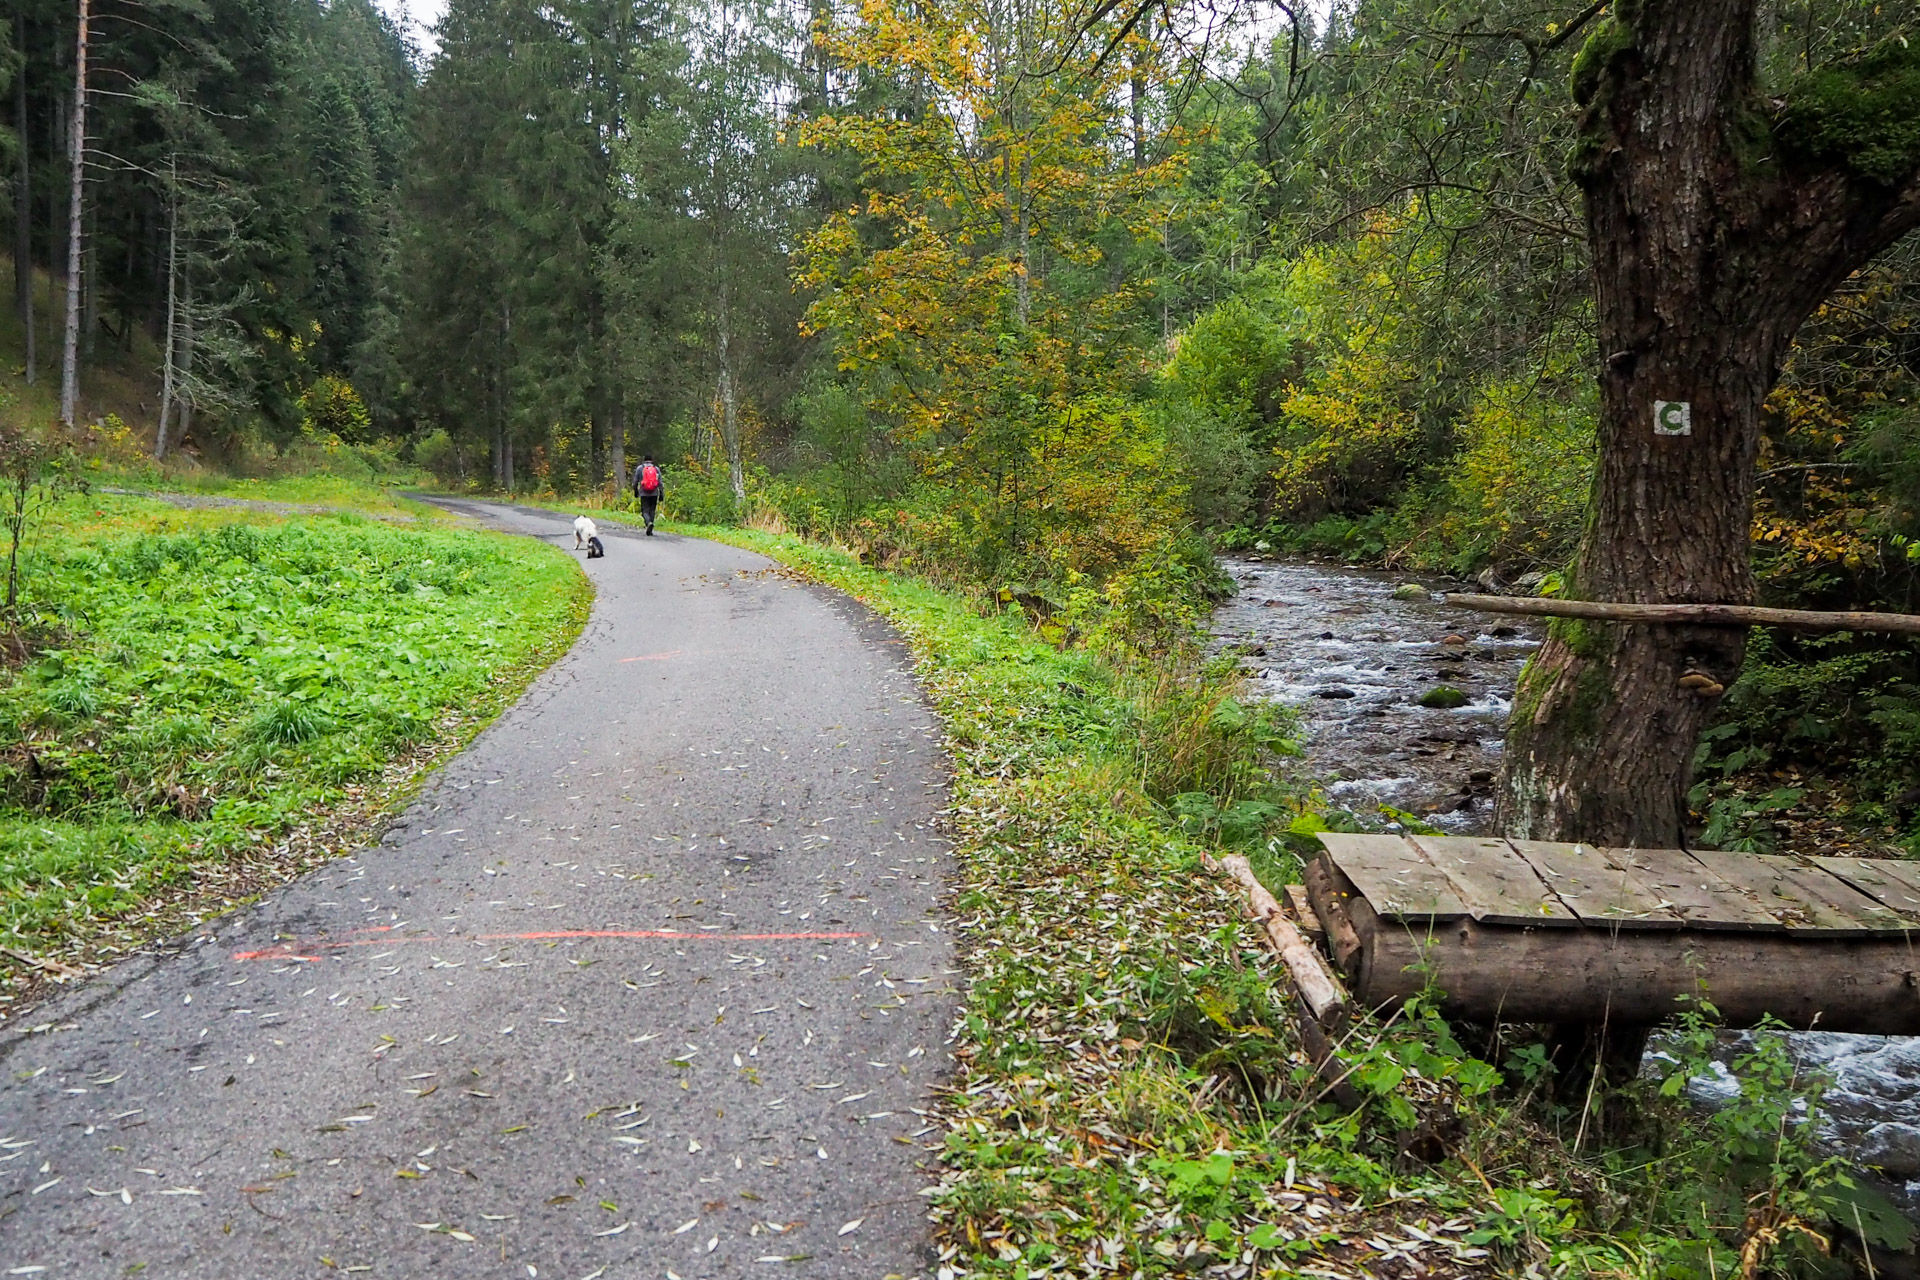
x: 649, y: 478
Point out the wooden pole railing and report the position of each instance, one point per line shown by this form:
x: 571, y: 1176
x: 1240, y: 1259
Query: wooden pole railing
x: 1711, y: 615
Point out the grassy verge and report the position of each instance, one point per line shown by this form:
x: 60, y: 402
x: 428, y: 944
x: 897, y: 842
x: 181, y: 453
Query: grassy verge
x: 373, y: 497
x: 211, y: 700
x: 1132, y: 1100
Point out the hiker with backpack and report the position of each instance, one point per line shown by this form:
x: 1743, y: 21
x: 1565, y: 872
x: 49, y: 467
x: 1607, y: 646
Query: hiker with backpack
x: 648, y: 486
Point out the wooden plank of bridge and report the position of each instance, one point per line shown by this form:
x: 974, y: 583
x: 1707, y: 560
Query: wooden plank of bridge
x: 1692, y: 892
x: 1395, y: 879
x: 1497, y: 884
x: 1803, y: 898
x: 1896, y: 885
x: 1599, y: 892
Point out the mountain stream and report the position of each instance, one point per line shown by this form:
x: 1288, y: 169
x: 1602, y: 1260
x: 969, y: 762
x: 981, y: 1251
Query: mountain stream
x: 1333, y: 643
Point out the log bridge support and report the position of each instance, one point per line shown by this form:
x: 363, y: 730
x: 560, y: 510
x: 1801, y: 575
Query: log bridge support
x: 1532, y: 931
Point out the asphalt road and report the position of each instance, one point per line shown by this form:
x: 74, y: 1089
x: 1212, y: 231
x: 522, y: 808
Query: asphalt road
x: 651, y: 981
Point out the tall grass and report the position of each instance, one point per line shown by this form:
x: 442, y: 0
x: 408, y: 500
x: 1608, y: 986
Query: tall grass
x: 214, y: 681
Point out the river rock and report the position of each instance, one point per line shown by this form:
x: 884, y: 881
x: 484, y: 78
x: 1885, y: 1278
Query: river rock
x: 1335, y: 692
x: 1411, y: 591
x: 1443, y: 697
x: 1892, y: 1147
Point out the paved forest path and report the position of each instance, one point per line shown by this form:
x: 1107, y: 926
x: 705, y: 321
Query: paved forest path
x: 647, y: 983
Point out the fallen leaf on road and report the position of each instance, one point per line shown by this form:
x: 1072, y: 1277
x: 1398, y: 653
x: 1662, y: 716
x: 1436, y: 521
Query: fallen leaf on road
x: 850, y: 1227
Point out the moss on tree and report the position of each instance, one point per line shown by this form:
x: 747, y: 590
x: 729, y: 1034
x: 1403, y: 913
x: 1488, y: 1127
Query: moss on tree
x: 1862, y: 115
x: 1609, y: 39
x: 1591, y: 76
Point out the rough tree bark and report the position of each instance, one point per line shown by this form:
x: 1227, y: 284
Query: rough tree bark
x: 23, y: 203
x: 1718, y: 220
x: 729, y: 401
x: 77, y: 148
x: 502, y: 432
x: 173, y: 276
x: 617, y: 440
x: 597, y: 444
x: 183, y: 384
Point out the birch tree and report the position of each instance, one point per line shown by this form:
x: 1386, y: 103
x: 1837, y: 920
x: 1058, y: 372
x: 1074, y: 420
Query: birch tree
x: 76, y: 204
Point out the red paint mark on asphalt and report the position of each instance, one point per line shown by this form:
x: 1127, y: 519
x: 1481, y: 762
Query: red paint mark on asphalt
x: 671, y: 935
x: 654, y: 657
x: 656, y: 933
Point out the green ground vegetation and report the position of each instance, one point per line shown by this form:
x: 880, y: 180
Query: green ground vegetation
x: 184, y: 688
x: 1132, y: 1093
x: 377, y: 495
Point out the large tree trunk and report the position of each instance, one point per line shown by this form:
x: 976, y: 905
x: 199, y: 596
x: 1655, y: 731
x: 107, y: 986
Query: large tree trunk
x: 173, y: 263
x: 730, y: 407
x: 77, y: 148
x: 183, y: 392
x: 90, y: 287
x: 597, y: 444
x: 23, y: 202
x: 617, y: 442
x: 503, y: 435
x: 1711, y: 242
x: 1141, y: 54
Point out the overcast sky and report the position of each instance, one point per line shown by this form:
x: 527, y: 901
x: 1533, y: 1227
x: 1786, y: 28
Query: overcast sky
x: 414, y: 17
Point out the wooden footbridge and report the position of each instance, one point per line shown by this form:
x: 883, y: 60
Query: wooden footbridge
x: 1527, y: 931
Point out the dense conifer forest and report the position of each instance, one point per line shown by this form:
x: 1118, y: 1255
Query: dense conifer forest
x: 1037, y: 326
x: 1059, y: 296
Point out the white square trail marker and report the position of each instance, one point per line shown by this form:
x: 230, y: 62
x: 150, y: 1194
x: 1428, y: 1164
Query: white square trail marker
x: 1672, y: 418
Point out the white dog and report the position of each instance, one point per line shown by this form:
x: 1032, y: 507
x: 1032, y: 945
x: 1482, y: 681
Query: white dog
x: 583, y: 532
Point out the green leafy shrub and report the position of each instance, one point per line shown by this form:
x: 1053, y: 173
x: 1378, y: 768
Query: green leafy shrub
x: 1843, y: 708
x: 1515, y: 493
x: 451, y: 464
x: 331, y: 407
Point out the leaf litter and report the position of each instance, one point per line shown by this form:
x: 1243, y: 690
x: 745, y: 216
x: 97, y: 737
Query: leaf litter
x: 1075, y: 1123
